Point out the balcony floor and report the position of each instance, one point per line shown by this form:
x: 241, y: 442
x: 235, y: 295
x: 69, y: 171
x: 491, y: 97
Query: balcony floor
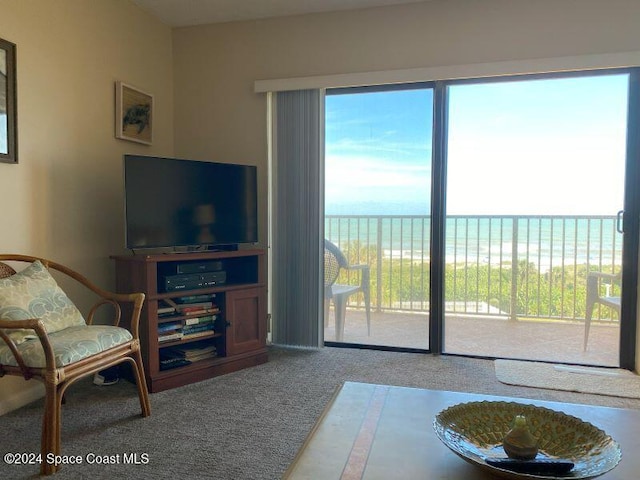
x: 552, y: 341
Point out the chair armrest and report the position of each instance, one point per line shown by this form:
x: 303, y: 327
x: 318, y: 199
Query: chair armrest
x: 365, y: 272
x: 358, y: 267
x: 613, y: 277
x: 595, y: 282
x: 596, y: 278
x: 115, y: 299
x: 29, y: 324
x: 137, y: 299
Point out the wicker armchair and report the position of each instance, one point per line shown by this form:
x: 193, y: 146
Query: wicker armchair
x: 45, y: 337
x: 334, y: 260
x: 599, y: 287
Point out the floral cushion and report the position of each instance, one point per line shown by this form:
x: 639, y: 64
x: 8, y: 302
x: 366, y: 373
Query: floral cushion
x: 69, y: 345
x: 33, y: 293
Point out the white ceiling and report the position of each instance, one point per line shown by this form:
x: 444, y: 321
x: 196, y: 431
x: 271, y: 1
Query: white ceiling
x: 182, y: 13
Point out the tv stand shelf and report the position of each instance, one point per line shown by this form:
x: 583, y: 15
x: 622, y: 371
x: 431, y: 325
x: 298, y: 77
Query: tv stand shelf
x: 219, y: 328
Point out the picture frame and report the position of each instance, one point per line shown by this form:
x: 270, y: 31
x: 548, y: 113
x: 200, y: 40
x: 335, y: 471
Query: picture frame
x: 8, y: 103
x: 134, y: 114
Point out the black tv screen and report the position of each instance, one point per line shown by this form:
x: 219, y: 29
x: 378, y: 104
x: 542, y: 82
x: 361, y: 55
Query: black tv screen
x: 187, y: 203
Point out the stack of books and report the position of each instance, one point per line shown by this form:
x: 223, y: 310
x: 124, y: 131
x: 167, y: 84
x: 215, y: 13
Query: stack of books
x: 199, y: 326
x: 193, y: 305
x: 170, y: 331
x: 179, y: 356
x: 170, y: 359
x: 195, y: 317
x: 194, y: 352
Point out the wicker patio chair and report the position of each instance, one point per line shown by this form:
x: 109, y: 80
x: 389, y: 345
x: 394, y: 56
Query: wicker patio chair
x: 45, y: 337
x: 334, y: 260
x: 598, y: 292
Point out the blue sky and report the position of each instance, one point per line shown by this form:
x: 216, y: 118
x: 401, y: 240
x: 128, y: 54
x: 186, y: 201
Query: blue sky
x: 523, y: 147
x: 378, y: 150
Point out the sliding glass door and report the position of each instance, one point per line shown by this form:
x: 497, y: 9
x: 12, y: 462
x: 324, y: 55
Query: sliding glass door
x: 377, y: 206
x: 487, y: 217
x: 534, y: 243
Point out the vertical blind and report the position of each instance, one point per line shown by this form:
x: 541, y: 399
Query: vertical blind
x: 296, y: 224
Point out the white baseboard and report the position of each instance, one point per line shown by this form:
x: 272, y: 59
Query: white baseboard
x: 20, y: 396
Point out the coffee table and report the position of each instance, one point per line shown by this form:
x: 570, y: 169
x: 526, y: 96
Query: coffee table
x: 372, y: 432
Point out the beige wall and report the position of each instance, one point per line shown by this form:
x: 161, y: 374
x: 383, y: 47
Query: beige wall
x: 64, y: 199
x: 217, y: 115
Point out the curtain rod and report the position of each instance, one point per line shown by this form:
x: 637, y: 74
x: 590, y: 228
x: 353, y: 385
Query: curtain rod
x: 452, y: 72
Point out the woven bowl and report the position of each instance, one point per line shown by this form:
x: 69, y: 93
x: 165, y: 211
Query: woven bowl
x: 475, y: 431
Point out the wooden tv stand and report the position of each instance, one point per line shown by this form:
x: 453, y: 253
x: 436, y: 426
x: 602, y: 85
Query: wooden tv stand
x: 235, y: 324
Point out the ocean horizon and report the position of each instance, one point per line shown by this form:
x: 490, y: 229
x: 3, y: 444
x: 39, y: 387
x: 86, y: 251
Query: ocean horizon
x: 545, y: 241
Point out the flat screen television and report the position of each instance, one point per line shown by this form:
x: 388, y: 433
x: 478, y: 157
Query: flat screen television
x: 171, y: 203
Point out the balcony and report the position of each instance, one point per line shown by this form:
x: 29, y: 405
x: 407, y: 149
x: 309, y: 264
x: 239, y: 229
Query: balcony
x: 515, y: 286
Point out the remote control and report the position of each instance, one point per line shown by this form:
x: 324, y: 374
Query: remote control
x: 546, y: 466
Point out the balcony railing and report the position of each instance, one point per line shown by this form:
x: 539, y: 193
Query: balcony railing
x: 515, y: 266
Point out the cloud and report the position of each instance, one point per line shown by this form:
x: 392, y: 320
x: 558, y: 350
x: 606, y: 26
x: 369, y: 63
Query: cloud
x: 378, y: 147
x: 362, y: 178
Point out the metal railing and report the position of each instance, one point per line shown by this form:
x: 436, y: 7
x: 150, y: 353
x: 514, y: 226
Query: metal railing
x: 516, y: 266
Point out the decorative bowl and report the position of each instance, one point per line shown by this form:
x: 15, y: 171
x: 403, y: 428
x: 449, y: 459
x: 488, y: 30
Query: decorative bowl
x: 475, y: 431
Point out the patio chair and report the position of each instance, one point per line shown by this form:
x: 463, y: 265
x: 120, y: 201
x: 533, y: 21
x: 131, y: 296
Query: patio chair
x: 334, y: 260
x: 599, y: 287
x: 44, y: 336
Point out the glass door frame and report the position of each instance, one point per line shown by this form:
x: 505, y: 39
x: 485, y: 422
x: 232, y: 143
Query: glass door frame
x: 631, y: 216
x: 399, y: 87
x: 631, y: 228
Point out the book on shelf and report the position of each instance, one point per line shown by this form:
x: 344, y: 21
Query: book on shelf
x: 169, y: 326
x: 171, y: 359
x: 199, y: 311
x: 165, y: 310
x: 198, y: 327
x: 199, y: 334
x: 206, y: 322
x: 203, y: 356
x: 170, y: 336
x: 197, y: 320
x: 174, y: 363
x: 187, y: 306
x: 192, y: 308
x: 191, y: 352
x: 196, y: 351
x: 206, y: 297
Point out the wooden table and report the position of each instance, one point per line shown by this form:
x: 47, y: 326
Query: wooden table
x: 383, y: 432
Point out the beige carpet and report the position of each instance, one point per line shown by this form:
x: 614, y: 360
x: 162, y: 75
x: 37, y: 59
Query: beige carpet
x: 600, y: 381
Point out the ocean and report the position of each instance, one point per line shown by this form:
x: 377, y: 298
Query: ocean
x: 546, y: 241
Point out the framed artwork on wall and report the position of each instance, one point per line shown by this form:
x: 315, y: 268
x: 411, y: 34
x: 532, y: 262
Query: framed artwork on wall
x: 134, y: 114
x: 8, y: 103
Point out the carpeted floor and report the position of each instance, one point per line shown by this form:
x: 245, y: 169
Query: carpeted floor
x: 245, y: 425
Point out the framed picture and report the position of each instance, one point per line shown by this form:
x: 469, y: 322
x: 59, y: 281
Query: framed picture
x: 8, y: 107
x: 134, y: 114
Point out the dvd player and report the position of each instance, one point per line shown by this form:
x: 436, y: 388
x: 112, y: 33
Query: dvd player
x: 193, y: 281
x: 199, y: 267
